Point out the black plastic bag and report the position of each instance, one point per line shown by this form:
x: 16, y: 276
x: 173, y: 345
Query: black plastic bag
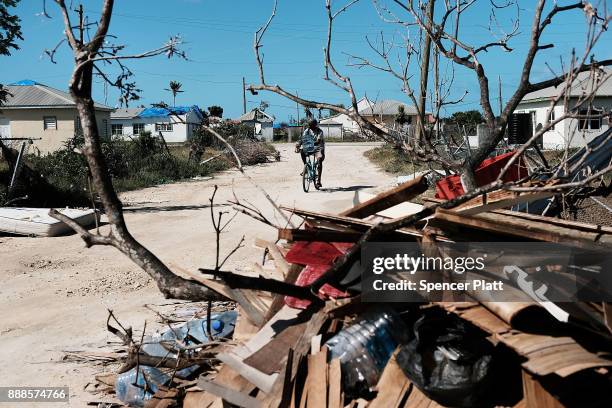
x: 449, y: 360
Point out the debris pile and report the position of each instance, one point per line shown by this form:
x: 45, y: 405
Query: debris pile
x: 305, y: 337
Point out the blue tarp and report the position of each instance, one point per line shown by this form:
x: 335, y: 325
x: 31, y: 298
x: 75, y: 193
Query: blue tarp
x: 25, y: 82
x: 166, y: 112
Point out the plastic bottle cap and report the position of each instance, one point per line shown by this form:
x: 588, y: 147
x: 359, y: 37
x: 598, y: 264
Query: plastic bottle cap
x: 217, y: 325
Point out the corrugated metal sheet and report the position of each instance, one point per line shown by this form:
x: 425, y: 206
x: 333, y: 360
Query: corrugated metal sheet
x: 126, y: 113
x: 583, y: 83
x: 30, y: 94
x: 386, y: 107
x: 255, y: 115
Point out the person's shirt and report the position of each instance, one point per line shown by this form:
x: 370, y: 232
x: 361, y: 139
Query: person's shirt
x: 310, y: 138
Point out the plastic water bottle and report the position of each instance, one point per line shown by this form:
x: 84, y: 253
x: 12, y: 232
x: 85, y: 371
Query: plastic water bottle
x: 189, y: 334
x: 135, y: 394
x: 365, y: 347
x: 168, y: 344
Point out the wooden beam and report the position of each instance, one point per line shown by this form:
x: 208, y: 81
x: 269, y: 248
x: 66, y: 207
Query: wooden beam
x: 279, y: 259
x: 334, y: 394
x: 389, y: 198
x: 317, y: 379
x: 227, y: 394
x: 391, y: 387
x: 318, y: 235
x: 353, y: 223
x: 499, y: 199
x: 510, y: 226
x: 536, y: 396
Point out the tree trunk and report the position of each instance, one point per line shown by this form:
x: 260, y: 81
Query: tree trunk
x: 171, y: 285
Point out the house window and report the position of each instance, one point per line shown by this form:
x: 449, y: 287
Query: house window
x: 163, y: 127
x: 50, y: 122
x: 105, y: 125
x: 78, y: 129
x: 590, y: 119
x: 551, y: 119
x: 116, y: 130
x: 138, y: 128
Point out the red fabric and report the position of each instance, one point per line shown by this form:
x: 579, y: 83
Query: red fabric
x: 317, y: 258
x: 312, y: 253
x: 308, y: 275
x: 450, y: 187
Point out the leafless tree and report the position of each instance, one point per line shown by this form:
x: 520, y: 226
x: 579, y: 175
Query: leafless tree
x: 444, y: 32
x: 88, y: 54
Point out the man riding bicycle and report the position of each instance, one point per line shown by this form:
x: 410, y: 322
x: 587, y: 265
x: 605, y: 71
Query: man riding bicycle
x: 312, y: 142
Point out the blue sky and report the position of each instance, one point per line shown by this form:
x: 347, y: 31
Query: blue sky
x: 219, y: 37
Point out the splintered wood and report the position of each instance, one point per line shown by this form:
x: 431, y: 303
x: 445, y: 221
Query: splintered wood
x: 281, y: 357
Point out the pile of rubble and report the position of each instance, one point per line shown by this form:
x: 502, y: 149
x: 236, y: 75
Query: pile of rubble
x: 305, y: 337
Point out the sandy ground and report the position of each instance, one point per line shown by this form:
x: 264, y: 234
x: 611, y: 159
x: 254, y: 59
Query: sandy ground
x: 55, y: 293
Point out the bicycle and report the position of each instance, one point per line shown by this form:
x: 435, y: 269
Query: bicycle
x: 309, y: 175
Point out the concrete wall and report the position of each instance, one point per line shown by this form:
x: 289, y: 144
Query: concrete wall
x: 29, y: 123
x: 565, y: 132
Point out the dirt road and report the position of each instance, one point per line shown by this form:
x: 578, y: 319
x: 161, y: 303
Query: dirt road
x: 55, y: 293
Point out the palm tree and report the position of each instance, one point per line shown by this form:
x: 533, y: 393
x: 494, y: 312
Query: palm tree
x: 175, y: 87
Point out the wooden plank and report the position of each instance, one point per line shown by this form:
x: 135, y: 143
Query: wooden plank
x: 535, y: 395
x: 391, y: 387
x: 388, y: 199
x: 334, y: 375
x: 353, y: 223
x: 499, y: 199
x: 270, y: 358
x: 522, y: 228
x: 217, y: 286
x: 244, y: 329
x: 317, y: 379
x: 577, y: 225
x: 318, y: 235
x: 278, y: 301
x: 227, y: 394
x: 279, y: 259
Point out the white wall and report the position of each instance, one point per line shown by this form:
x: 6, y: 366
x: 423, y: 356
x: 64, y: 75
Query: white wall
x: 346, y: 122
x: 331, y: 131
x: 181, y: 132
x: 566, y: 132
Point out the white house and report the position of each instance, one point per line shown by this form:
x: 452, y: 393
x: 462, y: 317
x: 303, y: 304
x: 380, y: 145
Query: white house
x: 569, y: 132
x: 331, y: 128
x: 176, y: 124
x: 262, y: 123
x: 382, y: 112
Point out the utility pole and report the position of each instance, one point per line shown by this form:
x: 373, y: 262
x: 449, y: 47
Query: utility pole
x: 424, y: 72
x: 243, y: 96
x: 297, y: 108
x: 500, y: 95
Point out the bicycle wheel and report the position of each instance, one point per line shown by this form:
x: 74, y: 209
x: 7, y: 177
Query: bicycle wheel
x: 306, y: 178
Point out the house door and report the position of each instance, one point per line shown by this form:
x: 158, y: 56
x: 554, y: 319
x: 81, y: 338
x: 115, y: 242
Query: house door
x: 5, y: 128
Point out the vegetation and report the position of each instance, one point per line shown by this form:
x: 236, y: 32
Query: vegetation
x: 133, y: 164
x: 215, y: 111
x: 10, y: 31
x: 174, y: 88
x: 393, y: 160
x: 141, y: 162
